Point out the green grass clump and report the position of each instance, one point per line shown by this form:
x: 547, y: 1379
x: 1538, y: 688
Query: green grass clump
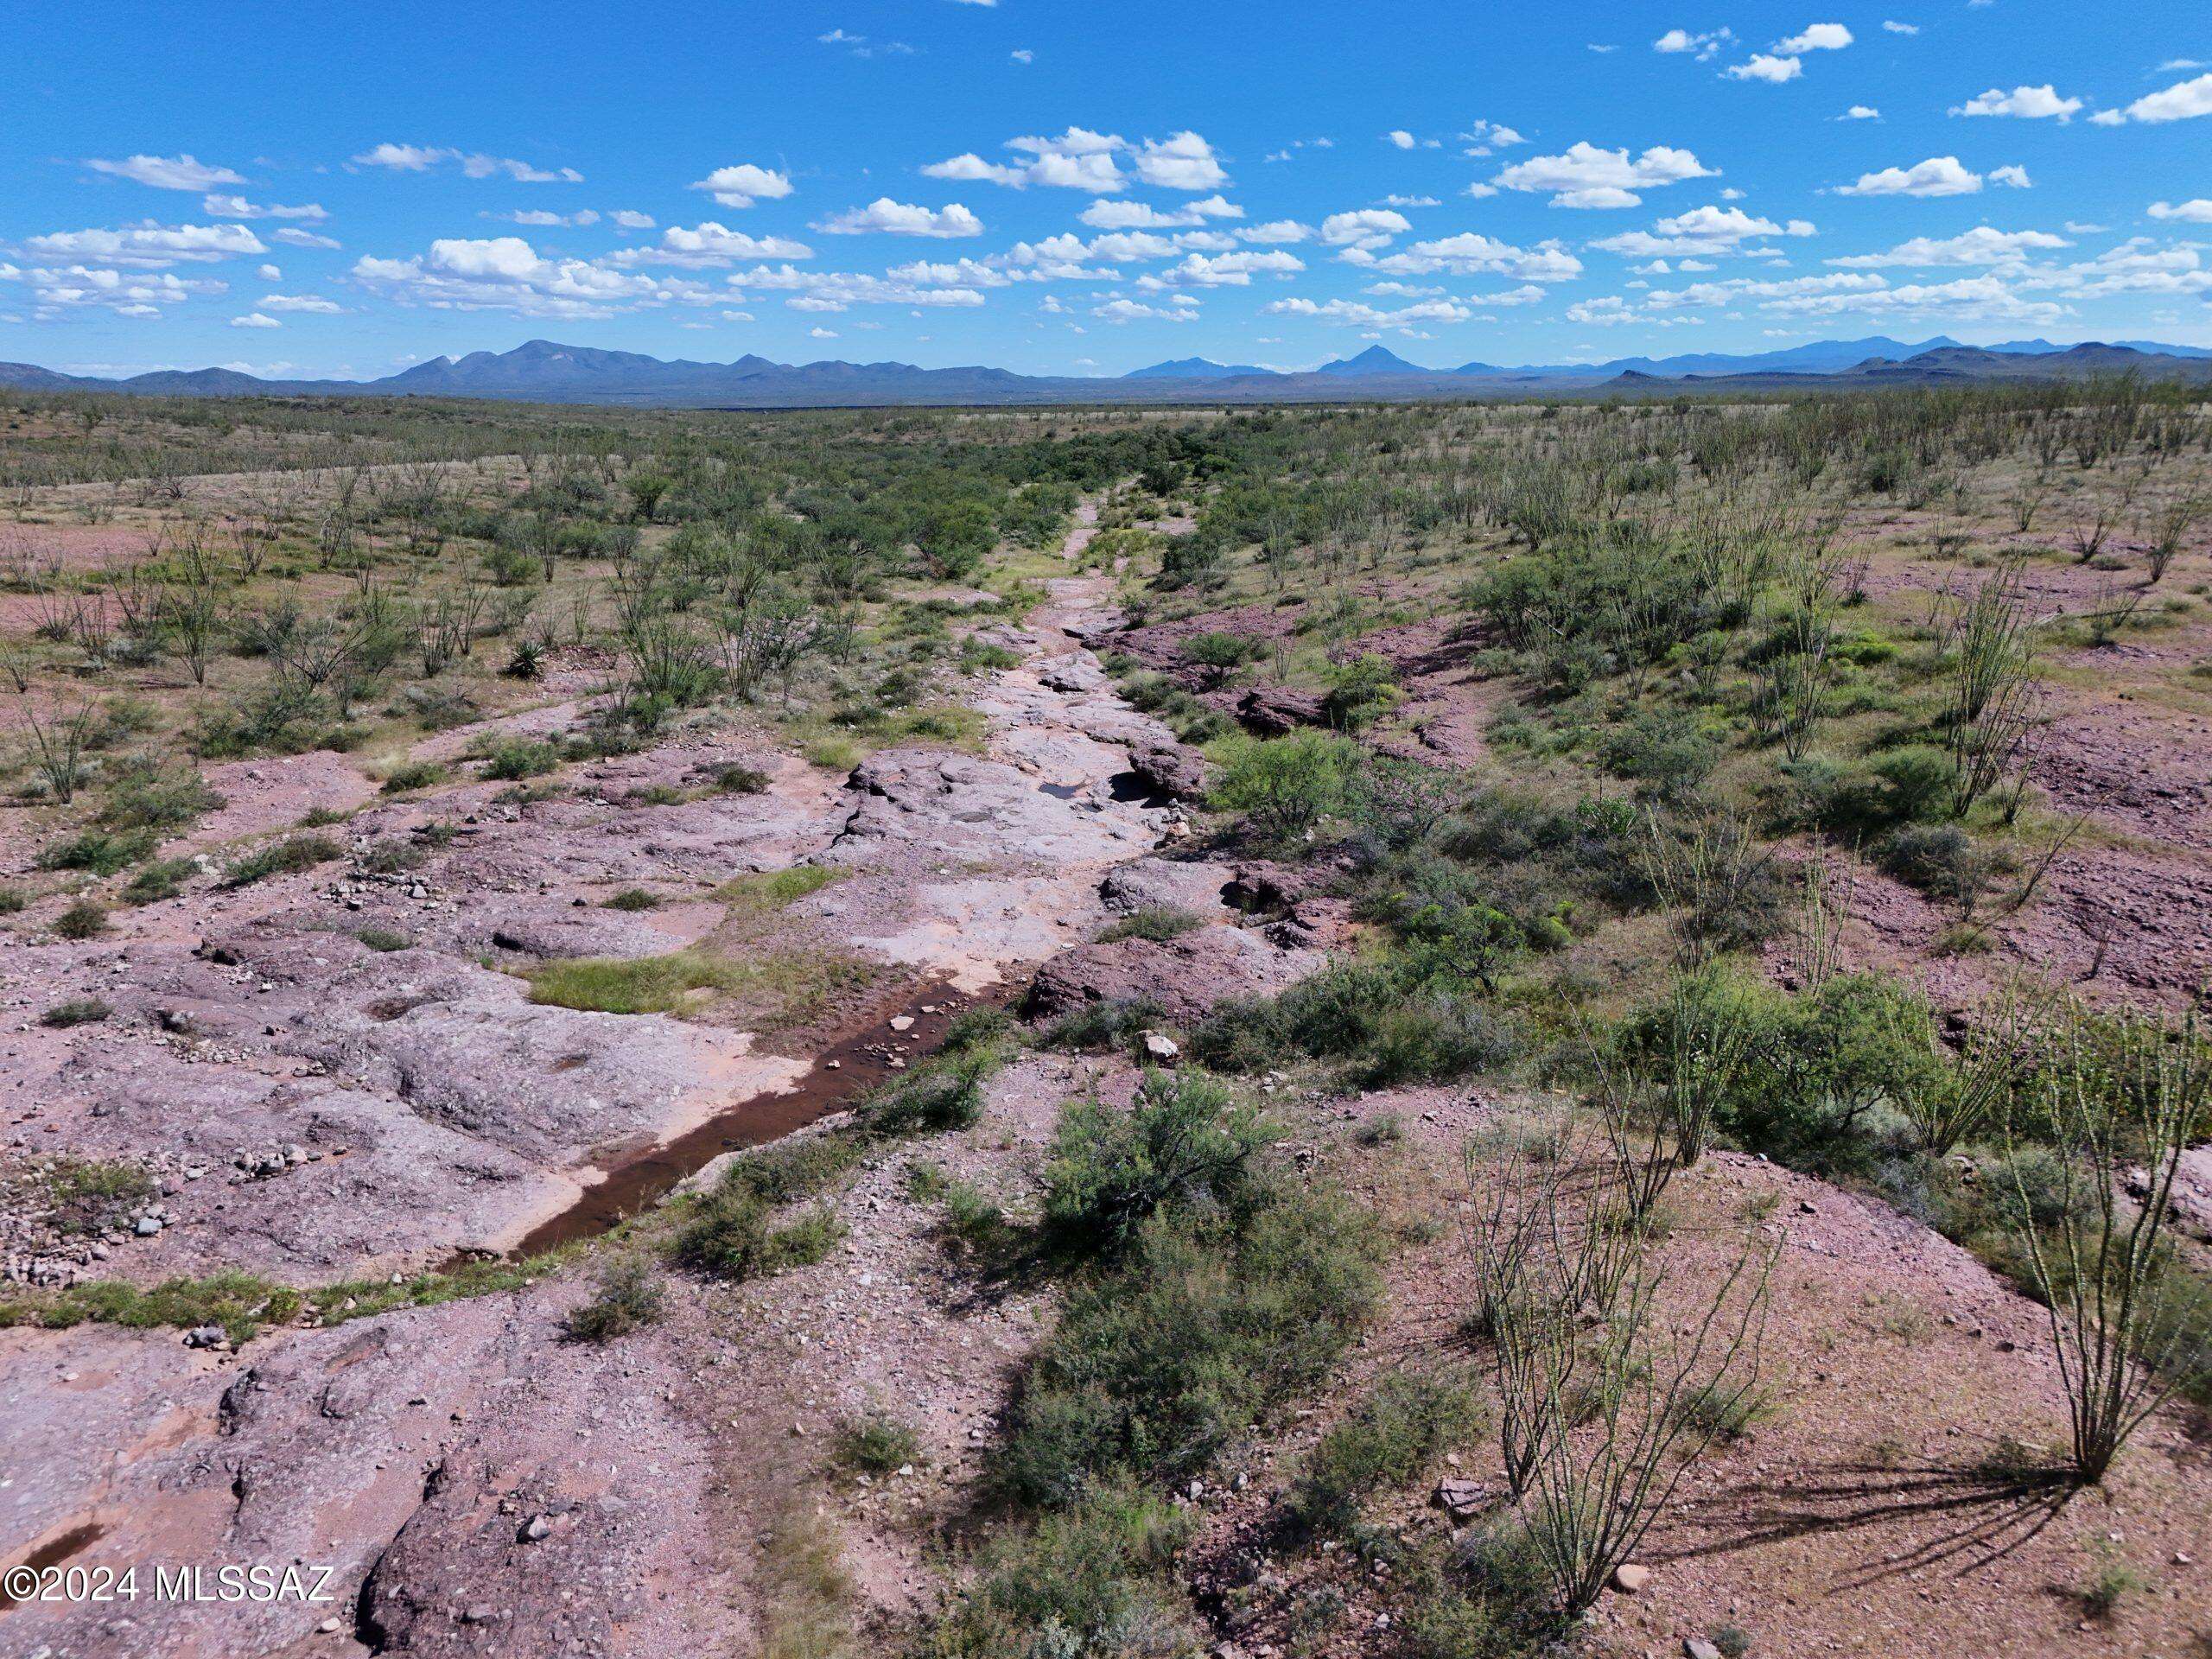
x: 1099, y: 1028
x: 832, y: 753
x: 82, y: 920
x: 1398, y: 1432
x: 286, y: 857
x: 1158, y: 923
x: 733, y: 1230
x: 157, y: 798
x: 633, y: 984
x: 360, y: 1298
x: 954, y: 724
x: 732, y: 1235
x: 1727, y: 1414
x: 98, y: 852
x: 788, y: 984
x: 157, y: 882
x: 732, y: 779
x: 411, y: 775
x: 759, y: 890
x: 973, y: 1220
x: 634, y: 898
x: 241, y: 1303
x: 91, y: 1195
x: 75, y: 1011
x: 513, y: 759
x: 629, y: 1297
x: 877, y: 1444
x: 382, y: 939
x: 2113, y: 1584
x: 1095, y: 1579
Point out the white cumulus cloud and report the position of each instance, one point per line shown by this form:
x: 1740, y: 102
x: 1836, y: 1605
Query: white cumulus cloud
x: 1816, y: 37
x: 150, y: 244
x: 1939, y: 176
x: 1981, y: 246
x: 1364, y: 227
x: 903, y: 219
x: 1767, y: 67
x: 420, y: 158
x: 1587, y: 176
x: 236, y: 207
x: 2183, y: 101
x: 2029, y: 103
x: 744, y: 184
x: 166, y: 172
x: 1184, y: 162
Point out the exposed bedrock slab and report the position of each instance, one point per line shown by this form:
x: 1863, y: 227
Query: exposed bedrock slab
x: 1185, y: 976
x: 499, y: 1490
x: 965, y: 808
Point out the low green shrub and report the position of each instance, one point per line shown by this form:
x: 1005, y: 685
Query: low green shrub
x: 98, y: 852
x: 628, y: 1298
x: 82, y: 920
x: 877, y: 1444
x: 510, y: 760
x: 157, y: 882
x: 75, y: 1011
x: 413, y: 774
x: 1102, y: 1026
x: 162, y: 797
x: 1942, y: 860
x: 1397, y: 1433
x: 1182, y: 1140
x: 1093, y: 1580
x: 286, y: 857
x: 1204, y: 1323
x: 948, y: 1095
x: 731, y: 1234
x: 1157, y: 923
x: 1282, y: 787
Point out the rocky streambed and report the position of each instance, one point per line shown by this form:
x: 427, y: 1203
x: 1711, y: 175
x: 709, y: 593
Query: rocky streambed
x: 461, y: 1478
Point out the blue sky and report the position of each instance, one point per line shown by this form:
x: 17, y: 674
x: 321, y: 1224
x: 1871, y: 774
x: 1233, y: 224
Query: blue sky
x: 1082, y: 188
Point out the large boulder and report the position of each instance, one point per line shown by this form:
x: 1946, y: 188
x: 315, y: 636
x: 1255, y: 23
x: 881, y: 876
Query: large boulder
x: 1171, y: 770
x: 1183, y: 977
x: 1165, y: 884
x: 1274, y: 710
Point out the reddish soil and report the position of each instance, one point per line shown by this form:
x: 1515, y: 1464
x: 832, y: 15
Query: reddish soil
x: 1857, y: 1514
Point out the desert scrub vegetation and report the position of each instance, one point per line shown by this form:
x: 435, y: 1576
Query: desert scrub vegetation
x: 1400, y: 1431
x: 1207, y: 1291
x: 82, y: 1196
x: 628, y: 1296
x: 744, y: 1226
x: 287, y: 857
x: 239, y: 1304
x: 1610, y: 1379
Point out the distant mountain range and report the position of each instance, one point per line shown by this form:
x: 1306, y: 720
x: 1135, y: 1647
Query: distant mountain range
x: 542, y: 371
